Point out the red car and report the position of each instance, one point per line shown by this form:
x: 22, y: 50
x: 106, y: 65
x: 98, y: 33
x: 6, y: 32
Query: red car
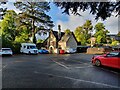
x: 111, y: 59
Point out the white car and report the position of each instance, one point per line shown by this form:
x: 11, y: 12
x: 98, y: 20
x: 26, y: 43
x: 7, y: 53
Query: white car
x: 70, y: 50
x: 6, y: 51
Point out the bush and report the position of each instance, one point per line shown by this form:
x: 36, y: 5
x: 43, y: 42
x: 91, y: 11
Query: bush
x: 114, y: 43
x: 16, y: 48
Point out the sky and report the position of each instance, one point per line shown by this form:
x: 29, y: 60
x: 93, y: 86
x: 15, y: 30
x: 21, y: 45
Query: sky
x: 72, y: 21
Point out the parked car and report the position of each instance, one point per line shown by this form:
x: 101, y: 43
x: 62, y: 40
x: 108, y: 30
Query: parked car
x: 6, y: 51
x: 70, y: 50
x: 43, y: 51
x: 82, y: 49
x: 28, y: 48
x: 111, y: 59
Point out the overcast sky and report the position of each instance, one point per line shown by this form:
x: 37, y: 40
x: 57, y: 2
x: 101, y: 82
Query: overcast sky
x: 71, y: 22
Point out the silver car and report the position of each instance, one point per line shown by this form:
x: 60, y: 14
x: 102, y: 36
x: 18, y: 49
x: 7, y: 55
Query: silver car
x: 6, y: 51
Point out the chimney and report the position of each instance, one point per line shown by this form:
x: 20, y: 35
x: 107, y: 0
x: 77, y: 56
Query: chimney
x: 59, y: 31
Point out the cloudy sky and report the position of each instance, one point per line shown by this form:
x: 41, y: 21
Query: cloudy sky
x: 71, y: 22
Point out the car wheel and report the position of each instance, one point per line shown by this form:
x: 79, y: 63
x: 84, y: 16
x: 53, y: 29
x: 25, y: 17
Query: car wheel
x: 98, y: 63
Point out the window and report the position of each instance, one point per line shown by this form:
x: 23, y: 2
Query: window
x: 27, y: 47
x: 112, y: 54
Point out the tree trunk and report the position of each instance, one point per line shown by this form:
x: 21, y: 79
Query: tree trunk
x: 33, y: 32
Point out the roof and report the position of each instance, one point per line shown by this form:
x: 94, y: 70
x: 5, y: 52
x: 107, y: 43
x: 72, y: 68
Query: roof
x: 66, y: 37
x: 56, y: 34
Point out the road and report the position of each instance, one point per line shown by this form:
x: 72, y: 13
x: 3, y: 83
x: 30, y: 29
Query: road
x: 56, y: 71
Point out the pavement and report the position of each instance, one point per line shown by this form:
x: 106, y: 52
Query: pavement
x: 56, y: 71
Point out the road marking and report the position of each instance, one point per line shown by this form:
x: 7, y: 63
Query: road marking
x: 80, y: 80
x: 60, y: 64
x: 84, y: 66
x: 3, y: 67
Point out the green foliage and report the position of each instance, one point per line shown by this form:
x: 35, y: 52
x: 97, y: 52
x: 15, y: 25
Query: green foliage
x: 118, y: 33
x: 101, y: 33
x: 34, y: 13
x: 8, y: 25
x: 114, y: 43
x: 2, y: 9
x: 78, y: 33
x: 11, y: 33
x: 40, y: 41
x: 67, y: 31
x: 83, y: 33
x: 101, y: 10
x: 16, y: 47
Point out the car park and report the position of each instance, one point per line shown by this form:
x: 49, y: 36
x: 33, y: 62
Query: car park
x: 43, y: 51
x: 6, y: 51
x: 111, y: 59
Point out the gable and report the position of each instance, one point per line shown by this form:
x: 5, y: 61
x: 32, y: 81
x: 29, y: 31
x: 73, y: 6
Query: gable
x: 71, y: 39
x: 65, y: 37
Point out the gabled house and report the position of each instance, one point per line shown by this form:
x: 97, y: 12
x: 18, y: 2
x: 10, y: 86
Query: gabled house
x: 68, y: 41
x: 60, y: 40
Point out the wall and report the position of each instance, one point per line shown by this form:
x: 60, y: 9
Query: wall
x: 71, y: 43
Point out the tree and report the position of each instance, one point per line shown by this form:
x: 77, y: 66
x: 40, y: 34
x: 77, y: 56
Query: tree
x: 114, y: 43
x: 101, y: 33
x: 8, y: 28
x: 99, y: 9
x: 83, y: 33
x: 87, y: 26
x: 78, y: 33
x: 118, y: 33
x: 67, y: 31
x: 34, y: 12
x: 2, y: 9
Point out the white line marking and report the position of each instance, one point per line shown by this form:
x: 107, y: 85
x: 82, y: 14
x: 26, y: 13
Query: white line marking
x: 60, y: 64
x: 80, y: 80
x: 84, y: 66
x: 3, y: 67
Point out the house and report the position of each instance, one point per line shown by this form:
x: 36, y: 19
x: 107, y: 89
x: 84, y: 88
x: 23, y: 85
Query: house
x: 60, y: 40
x: 68, y: 41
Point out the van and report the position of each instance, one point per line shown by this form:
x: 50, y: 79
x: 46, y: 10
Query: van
x: 28, y: 48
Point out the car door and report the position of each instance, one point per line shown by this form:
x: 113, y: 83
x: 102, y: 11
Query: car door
x: 112, y: 59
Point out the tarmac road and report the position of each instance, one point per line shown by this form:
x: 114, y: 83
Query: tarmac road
x: 56, y: 71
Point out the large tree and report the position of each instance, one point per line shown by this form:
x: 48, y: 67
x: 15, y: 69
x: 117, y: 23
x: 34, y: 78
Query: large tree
x: 101, y: 33
x: 83, y: 33
x: 99, y: 9
x: 79, y: 34
x: 8, y: 28
x: 35, y: 13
